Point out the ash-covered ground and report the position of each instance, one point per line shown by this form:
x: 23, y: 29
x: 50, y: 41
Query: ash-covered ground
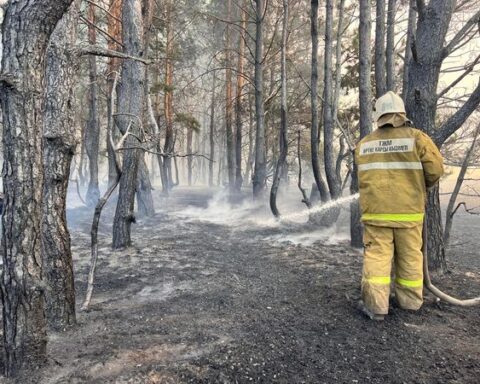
x: 215, y: 294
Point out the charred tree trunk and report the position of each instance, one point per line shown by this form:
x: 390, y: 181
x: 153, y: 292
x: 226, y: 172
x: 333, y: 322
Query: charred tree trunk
x: 412, y: 25
x: 334, y: 184
x: 239, y: 109
x: 59, y: 147
x: 365, y: 97
x: 189, y: 158
x: 390, y: 50
x: 168, y: 100
x: 380, y: 59
x: 92, y: 133
x: 145, y: 204
x: 421, y: 102
x: 212, y: 133
x: 251, y: 156
x: 229, y: 103
x: 283, y: 137
x: 131, y: 94
x: 27, y: 28
x: 260, y: 170
x: 314, y: 138
x: 115, y: 30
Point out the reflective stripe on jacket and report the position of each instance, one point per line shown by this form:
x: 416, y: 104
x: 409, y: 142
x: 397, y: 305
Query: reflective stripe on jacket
x: 395, y: 166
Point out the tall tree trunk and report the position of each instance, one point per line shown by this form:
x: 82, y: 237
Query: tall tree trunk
x: 59, y: 147
x: 168, y: 100
x: 27, y: 27
x: 421, y: 102
x: 334, y: 184
x: 239, y: 100
x: 114, y: 29
x: 189, y: 158
x: 131, y: 94
x: 390, y: 54
x: 380, y: 59
x: 251, y: 156
x: 283, y: 137
x: 260, y: 170
x: 145, y: 204
x: 412, y: 25
x: 212, y: 132
x: 365, y: 97
x: 314, y: 137
x: 229, y: 102
x: 92, y: 133
x: 338, y: 60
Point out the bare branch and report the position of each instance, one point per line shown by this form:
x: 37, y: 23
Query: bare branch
x: 458, y: 118
x: 101, y: 30
x: 97, y: 50
x: 460, y: 35
x: 468, y: 69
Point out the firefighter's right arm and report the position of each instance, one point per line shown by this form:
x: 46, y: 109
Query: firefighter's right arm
x: 431, y: 159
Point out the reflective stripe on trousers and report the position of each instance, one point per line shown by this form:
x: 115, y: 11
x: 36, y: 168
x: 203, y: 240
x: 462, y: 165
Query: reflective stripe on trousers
x: 404, y: 245
x: 393, y: 216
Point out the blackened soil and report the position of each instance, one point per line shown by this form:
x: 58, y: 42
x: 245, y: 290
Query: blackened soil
x: 199, y: 302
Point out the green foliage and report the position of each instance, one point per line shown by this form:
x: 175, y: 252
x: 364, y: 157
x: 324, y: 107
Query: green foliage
x: 161, y: 87
x: 188, y: 121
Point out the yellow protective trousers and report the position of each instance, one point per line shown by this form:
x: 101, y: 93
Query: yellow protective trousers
x: 404, y: 246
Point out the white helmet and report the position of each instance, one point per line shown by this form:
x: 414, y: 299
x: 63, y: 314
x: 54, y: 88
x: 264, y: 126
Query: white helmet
x: 390, y: 102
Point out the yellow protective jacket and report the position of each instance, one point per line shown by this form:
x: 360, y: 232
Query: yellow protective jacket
x: 395, y: 166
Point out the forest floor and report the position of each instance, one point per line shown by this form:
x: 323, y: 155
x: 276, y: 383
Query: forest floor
x: 210, y: 294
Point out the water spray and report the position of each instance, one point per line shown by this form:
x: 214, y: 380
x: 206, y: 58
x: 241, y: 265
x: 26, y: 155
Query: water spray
x: 321, y: 208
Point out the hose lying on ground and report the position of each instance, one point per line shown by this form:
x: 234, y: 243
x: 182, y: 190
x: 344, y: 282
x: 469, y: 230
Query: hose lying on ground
x: 428, y: 283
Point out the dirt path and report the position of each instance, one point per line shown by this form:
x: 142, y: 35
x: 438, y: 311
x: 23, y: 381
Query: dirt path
x: 206, y: 302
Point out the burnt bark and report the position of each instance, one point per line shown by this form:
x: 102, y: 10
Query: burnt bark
x: 365, y: 100
x: 92, y: 132
x: 58, y: 150
x: 260, y: 168
x: 27, y: 28
x: 283, y: 136
x: 131, y: 92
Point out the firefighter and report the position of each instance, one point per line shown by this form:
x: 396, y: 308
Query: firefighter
x: 397, y: 164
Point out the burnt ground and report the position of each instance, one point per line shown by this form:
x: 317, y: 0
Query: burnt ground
x: 228, y: 300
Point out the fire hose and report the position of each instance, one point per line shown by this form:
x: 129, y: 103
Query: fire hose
x: 428, y: 282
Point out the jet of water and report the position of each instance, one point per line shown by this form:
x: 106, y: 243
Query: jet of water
x: 320, y: 208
